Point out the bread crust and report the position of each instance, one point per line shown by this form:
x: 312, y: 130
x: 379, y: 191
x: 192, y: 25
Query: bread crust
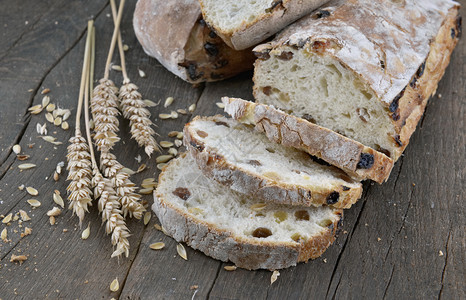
x: 247, y: 253
x: 214, y: 166
x: 401, y: 68
x: 189, y: 49
x: 280, y: 14
x: 321, y: 142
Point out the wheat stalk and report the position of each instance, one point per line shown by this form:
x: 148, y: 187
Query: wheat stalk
x: 104, y: 191
x: 125, y: 189
x: 132, y: 105
x: 78, y: 157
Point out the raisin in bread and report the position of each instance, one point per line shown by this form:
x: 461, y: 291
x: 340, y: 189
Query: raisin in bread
x: 243, y: 159
x: 349, y: 155
x: 362, y: 68
x: 230, y: 226
x: 176, y: 35
x: 245, y: 23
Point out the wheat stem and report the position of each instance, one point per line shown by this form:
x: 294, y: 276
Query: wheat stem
x: 86, y: 99
x: 120, y: 44
x: 85, y: 71
x: 114, y: 39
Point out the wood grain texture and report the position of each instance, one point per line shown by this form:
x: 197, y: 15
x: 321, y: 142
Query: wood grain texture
x: 389, y: 244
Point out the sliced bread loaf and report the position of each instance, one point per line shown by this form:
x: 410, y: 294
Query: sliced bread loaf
x: 176, y: 35
x: 243, y: 159
x: 362, y: 68
x: 245, y: 23
x: 230, y: 226
x: 354, y: 158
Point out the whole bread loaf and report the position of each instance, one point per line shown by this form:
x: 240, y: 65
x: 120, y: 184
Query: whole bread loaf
x: 230, y: 226
x: 176, y: 35
x: 245, y: 23
x: 363, y: 68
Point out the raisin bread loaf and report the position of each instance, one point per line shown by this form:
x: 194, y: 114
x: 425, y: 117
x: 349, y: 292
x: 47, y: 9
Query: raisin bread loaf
x: 245, y: 23
x: 246, y: 161
x: 176, y: 35
x: 354, y: 158
x: 230, y: 226
x: 362, y: 68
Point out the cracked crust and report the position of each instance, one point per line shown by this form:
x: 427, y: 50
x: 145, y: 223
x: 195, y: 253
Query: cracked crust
x: 245, y: 253
x: 218, y: 168
x: 251, y: 33
x: 415, y: 53
x: 189, y: 49
x: 324, y: 143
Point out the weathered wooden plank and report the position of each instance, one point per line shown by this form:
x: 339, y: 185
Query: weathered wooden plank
x: 60, y: 260
x: 27, y: 55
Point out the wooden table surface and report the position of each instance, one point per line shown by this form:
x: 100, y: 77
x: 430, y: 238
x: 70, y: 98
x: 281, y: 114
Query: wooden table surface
x: 404, y: 239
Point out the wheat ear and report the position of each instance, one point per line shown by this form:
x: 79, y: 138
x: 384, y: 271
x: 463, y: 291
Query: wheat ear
x: 78, y: 157
x: 132, y: 105
x: 103, y: 189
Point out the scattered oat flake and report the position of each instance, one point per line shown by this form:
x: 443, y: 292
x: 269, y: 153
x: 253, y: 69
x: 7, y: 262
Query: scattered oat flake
x: 181, y: 251
x: 26, y: 166
x: 57, y: 121
x: 7, y: 219
x: 51, y: 107
x: 17, y: 149
x: 150, y: 103
x: 146, y: 191
x: 179, y: 135
x: 142, y: 74
x: 35, y: 107
x: 52, y: 220
x: 173, y: 151
x: 158, y: 227
x: 86, y: 232
x: 220, y: 105
x: 168, y: 102
x: 18, y: 258
x: 4, y: 235
x: 194, y: 287
x: 163, y: 158
x: 258, y: 206
x: 192, y: 107
x: 440, y: 253
x: 178, y: 143
x: 141, y: 168
x: 32, y: 191
x: 45, y: 101
x: 147, y: 216
x: 182, y: 111
x: 157, y: 246
x: 161, y: 165
x: 49, y: 117
x: 114, y: 286
x: 66, y: 115
x: 56, y: 176
x: 24, y: 215
x: 174, y: 114
x: 166, y: 144
x: 33, y: 202
x: 230, y: 268
x: 45, y: 91
x: 58, y: 200
x: 274, y: 276
x: 54, y: 212
x: 165, y: 116
x: 172, y: 133
x: 125, y: 47
x: 116, y: 67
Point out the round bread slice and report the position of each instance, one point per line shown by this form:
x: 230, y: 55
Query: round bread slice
x: 230, y: 226
x: 243, y: 159
x: 349, y: 155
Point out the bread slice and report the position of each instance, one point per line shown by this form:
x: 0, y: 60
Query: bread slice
x: 245, y: 23
x: 362, y: 68
x: 176, y: 35
x: 230, y: 226
x: 243, y: 159
x: 354, y: 158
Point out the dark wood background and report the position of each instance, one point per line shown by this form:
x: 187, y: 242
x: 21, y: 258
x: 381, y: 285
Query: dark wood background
x: 390, y: 242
